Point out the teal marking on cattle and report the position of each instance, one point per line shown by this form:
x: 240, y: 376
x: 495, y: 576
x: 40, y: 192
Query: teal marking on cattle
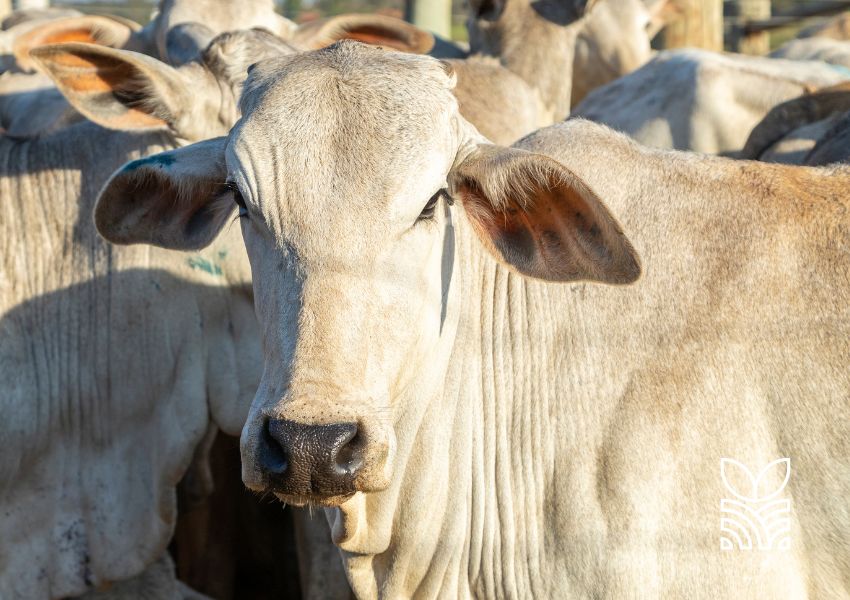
x: 198, y: 262
x: 842, y: 70
x: 222, y: 254
x: 157, y: 160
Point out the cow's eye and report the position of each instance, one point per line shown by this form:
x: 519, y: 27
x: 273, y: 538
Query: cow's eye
x: 237, y: 197
x: 431, y: 207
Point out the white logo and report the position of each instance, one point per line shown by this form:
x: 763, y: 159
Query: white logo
x: 755, y: 518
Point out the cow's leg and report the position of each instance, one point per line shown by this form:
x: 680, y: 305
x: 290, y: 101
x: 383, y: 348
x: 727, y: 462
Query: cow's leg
x: 157, y: 582
x: 319, y: 562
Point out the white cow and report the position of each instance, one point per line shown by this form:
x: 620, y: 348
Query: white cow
x: 115, y: 362
x: 700, y: 100
x: 107, y: 87
x: 834, y: 52
x: 563, y: 49
x: 445, y: 374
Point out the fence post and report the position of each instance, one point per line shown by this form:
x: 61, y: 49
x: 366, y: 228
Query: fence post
x: 700, y: 25
x: 433, y: 15
x: 756, y: 43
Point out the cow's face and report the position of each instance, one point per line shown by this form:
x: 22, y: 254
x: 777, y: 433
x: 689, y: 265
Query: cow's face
x: 342, y: 173
x: 342, y: 169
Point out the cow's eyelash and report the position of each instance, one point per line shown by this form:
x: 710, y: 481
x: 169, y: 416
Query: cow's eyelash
x: 431, y: 207
x: 238, y: 198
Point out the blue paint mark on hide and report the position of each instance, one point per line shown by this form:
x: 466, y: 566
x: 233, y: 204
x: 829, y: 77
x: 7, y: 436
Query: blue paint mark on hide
x: 157, y: 160
x: 841, y: 70
x: 198, y: 262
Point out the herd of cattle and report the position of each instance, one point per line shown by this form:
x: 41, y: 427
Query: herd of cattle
x: 384, y: 270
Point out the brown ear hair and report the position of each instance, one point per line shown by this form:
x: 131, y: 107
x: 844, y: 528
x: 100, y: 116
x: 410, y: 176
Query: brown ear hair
x: 91, y: 29
x: 378, y: 30
x: 535, y: 215
x: 117, y: 89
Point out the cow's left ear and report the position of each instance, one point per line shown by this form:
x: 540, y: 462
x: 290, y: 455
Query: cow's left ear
x: 177, y: 199
x: 114, y: 32
x: 378, y: 30
x: 120, y: 89
x: 537, y: 216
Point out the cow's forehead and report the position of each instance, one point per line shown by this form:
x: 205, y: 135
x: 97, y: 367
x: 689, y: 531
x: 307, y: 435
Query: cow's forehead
x: 361, y: 93
x: 348, y: 121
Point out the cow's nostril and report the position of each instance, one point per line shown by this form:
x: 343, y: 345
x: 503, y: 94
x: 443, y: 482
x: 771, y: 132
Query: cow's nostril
x: 348, y: 457
x: 304, y: 459
x: 273, y: 458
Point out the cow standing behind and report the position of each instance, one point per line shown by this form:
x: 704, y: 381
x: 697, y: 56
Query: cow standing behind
x: 699, y: 100
x: 563, y: 49
x: 115, y: 361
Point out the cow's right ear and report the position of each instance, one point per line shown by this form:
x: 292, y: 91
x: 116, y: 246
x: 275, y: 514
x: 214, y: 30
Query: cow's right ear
x: 117, y: 89
x: 177, y: 199
x: 538, y: 217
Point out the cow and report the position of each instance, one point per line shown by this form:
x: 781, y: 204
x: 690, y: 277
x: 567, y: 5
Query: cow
x: 31, y: 106
x: 700, y: 100
x: 115, y: 362
x: 179, y: 31
x: 563, y: 49
x: 837, y: 28
x: 515, y: 371
x: 834, y: 52
x: 501, y: 104
x: 182, y: 29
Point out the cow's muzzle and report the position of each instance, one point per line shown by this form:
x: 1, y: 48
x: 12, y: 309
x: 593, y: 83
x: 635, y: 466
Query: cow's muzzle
x: 310, y: 461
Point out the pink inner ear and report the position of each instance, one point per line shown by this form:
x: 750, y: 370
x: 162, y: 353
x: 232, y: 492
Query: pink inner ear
x: 89, y: 78
x: 377, y: 36
x: 556, y: 231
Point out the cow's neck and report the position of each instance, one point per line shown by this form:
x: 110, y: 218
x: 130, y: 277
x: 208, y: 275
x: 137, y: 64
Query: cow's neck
x: 478, y: 470
x: 546, y: 65
x: 48, y: 188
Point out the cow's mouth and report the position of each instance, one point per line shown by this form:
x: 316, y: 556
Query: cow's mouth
x: 320, y: 500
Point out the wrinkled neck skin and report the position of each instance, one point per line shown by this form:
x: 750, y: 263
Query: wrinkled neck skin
x: 477, y: 440
x: 563, y: 439
x: 109, y: 355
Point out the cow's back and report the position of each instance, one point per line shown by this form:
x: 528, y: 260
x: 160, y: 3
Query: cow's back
x: 699, y: 100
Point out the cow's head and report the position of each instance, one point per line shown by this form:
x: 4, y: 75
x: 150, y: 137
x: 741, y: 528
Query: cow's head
x: 342, y: 170
x: 536, y: 39
x: 125, y: 90
x: 182, y: 29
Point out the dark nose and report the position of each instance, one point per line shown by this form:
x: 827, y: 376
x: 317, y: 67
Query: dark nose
x: 307, y: 460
